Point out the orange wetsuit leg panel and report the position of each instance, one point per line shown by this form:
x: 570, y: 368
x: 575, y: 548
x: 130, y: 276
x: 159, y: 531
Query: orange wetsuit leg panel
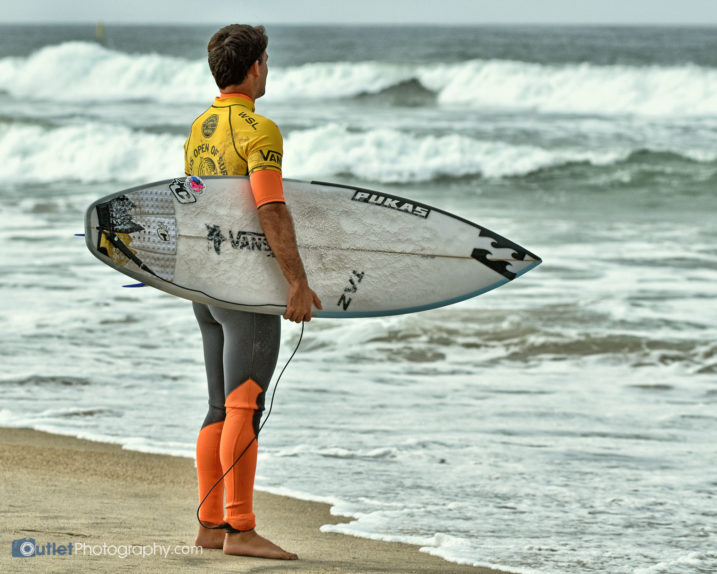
x: 209, y: 468
x: 240, y: 352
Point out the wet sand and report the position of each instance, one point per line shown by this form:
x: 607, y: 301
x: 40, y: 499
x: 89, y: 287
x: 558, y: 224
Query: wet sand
x: 107, y: 501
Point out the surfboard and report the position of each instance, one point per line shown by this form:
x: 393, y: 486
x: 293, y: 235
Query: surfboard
x: 366, y: 253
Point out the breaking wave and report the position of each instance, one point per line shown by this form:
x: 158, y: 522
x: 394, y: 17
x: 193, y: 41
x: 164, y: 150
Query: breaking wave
x: 97, y: 152
x: 90, y: 72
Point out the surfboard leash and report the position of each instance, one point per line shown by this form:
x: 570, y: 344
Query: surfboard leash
x: 253, y: 440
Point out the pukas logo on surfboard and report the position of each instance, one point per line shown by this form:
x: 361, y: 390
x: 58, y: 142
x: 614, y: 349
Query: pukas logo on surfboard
x: 391, y: 202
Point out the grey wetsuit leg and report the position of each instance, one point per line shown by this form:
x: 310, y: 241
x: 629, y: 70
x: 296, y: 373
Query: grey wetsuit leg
x: 238, y: 346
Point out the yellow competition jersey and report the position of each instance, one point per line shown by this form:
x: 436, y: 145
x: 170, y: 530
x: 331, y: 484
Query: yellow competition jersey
x: 230, y: 139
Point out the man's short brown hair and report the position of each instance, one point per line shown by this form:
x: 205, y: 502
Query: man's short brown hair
x: 233, y: 50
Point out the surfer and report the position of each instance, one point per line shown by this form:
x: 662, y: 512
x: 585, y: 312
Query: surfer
x: 240, y: 348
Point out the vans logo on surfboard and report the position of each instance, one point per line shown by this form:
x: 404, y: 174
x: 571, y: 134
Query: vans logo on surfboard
x: 392, y: 202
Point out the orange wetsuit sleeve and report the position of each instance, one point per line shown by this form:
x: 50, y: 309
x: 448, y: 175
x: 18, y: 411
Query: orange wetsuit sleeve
x: 267, y: 186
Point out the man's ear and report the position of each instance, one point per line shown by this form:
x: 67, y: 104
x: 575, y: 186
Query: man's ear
x: 254, y: 70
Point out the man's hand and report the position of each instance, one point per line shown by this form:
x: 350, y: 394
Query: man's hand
x: 299, y: 302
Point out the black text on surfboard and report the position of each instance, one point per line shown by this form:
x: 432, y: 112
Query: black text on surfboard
x: 392, y: 202
x: 242, y: 240
x: 350, y: 289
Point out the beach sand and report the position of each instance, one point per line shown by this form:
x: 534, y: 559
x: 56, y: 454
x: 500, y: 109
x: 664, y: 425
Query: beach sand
x: 58, y: 489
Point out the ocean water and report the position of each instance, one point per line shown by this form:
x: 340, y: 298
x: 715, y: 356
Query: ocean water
x: 564, y: 423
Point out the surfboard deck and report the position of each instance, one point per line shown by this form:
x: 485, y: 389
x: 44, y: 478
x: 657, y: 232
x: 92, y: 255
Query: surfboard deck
x: 366, y: 253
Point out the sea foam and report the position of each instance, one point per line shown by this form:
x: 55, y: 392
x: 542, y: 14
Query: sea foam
x: 98, y: 152
x: 83, y: 71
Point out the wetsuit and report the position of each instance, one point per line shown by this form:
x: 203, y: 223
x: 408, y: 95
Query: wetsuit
x: 240, y: 349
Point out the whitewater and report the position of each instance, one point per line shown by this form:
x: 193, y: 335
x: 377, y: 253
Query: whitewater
x: 88, y: 69
x: 562, y: 424
x: 612, y: 112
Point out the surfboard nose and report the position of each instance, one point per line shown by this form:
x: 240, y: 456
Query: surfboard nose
x: 521, y: 267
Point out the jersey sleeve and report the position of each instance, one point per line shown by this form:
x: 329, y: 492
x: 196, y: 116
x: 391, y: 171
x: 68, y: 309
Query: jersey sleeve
x: 266, y: 149
x: 264, y: 154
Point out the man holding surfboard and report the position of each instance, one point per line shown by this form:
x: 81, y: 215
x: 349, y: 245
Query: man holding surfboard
x: 240, y: 348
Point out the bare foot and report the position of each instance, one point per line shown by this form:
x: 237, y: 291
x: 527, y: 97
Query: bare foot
x: 210, y: 538
x: 249, y: 543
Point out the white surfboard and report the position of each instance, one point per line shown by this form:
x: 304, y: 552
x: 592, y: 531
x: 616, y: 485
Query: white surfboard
x: 366, y: 253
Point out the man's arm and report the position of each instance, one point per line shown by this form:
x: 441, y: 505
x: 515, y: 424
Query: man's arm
x: 278, y: 227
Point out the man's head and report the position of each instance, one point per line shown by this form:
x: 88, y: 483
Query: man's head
x: 233, y: 50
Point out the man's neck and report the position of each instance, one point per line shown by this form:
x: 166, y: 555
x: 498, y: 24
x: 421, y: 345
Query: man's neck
x: 225, y: 94
x: 244, y: 89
